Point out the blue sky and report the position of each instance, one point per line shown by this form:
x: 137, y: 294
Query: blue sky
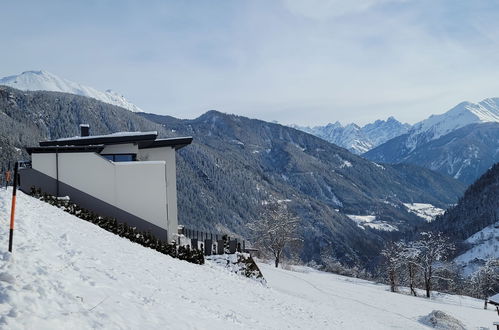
x: 294, y: 61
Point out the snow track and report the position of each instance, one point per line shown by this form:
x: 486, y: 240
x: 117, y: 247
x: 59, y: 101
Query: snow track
x: 66, y: 273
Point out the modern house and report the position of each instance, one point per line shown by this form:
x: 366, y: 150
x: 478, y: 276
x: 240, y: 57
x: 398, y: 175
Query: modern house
x: 130, y: 176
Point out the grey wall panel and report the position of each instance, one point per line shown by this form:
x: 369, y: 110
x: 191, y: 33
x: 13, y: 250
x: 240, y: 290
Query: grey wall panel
x: 33, y: 178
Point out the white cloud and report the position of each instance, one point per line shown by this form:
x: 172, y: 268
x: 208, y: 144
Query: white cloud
x: 325, y: 9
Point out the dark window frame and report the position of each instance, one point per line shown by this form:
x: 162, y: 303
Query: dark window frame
x: 112, y: 157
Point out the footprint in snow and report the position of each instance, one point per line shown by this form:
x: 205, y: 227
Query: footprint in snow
x: 6, y: 277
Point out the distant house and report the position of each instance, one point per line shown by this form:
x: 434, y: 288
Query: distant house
x: 494, y: 300
x: 130, y: 176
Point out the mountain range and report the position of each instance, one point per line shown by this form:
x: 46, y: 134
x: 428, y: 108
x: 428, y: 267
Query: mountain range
x: 463, y: 142
x: 358, y: 139
x: 46, y: 81
x: 348, y: 205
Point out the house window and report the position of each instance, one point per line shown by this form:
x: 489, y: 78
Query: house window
x: 121, y: 157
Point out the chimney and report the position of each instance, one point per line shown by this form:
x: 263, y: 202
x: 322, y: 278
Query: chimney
x: 84, y: 130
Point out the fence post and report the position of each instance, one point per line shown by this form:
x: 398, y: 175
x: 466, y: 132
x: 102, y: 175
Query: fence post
x: 232, y: 246
x: 220, y: 247
x: 13, y: 208
x: 207, y: 247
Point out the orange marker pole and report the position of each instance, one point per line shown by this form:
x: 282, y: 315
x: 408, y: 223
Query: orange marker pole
x: 13, y: 209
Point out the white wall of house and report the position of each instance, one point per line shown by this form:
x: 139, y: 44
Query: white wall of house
x: 44, y: 163
x: 135, y: 187
x: 166, y: 154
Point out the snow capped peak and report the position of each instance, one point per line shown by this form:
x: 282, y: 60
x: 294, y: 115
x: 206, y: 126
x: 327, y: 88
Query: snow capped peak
x: 38, y: 72
x: 42, y: 80
x: 358, y: 139
x: 461, y: 115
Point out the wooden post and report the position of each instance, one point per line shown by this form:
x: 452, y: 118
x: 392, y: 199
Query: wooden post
x: 13, y: 209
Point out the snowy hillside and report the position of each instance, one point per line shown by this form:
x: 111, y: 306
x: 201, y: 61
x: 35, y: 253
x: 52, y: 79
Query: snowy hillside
x: 484, y: 245
x: 358, y: 139
x: 370, y: 221
x: 68, y: 273
x: 424, y: 211
x: 46, y: 81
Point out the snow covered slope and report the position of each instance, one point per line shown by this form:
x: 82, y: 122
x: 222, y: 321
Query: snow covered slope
x: 46, y: 81
x: 370, y: 221
x: 67, y: 273
x: 484, y: 245
x: 424, y: 210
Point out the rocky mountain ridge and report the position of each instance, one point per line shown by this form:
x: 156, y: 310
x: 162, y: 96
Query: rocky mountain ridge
x: 358, y: 139
x: 463, y: 142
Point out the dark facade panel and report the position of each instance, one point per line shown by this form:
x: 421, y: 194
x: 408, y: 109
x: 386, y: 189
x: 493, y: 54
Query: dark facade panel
x: 33, y: 178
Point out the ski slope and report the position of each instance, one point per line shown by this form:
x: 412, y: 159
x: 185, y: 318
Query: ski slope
x: 66, y: 273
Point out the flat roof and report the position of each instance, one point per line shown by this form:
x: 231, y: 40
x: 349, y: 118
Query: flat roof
x: 114, y: 138
x: 145, y: 140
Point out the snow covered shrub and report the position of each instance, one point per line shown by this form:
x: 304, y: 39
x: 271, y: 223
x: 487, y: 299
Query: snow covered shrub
x: 239, y: 263
x: 441, y: 320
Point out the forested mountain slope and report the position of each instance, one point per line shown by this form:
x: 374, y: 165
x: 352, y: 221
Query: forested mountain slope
x: 270, y: 158
x: 464, y: 154
x: 477, y: 209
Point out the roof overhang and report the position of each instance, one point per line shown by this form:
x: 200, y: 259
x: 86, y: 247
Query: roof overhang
x: 64, y: 149
x: 176, y: 143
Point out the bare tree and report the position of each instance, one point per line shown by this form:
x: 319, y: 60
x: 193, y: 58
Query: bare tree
x: 409, y: 256
x: 393, y: 260
x: 433, y: 249
x: 276, y: 229
x: 485, y: 281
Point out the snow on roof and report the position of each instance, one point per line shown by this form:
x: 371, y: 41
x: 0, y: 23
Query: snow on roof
x: 494, y: 298
x: 117, y: 134
x: 114, y: 138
